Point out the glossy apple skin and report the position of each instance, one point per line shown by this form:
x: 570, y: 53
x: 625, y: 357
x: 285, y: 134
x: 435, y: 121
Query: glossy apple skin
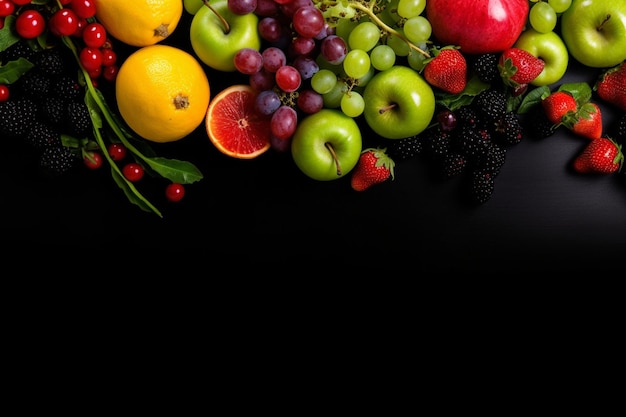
x: 478, y: 26
x: 550, y: 47
x: 413, y: 97
x: 308, y: 144
x: 216, y: 48
x: 590, y: 47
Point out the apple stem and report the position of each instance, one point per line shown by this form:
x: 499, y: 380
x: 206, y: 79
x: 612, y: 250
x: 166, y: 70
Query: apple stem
x: 606, y: 19
x: 386, y: 108
x: 329, y: 146
x: 219, y: 16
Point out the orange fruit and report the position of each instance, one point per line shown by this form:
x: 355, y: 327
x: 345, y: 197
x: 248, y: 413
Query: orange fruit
x: 139, y: 22
x: 162, y: 93
x: 233, y: 125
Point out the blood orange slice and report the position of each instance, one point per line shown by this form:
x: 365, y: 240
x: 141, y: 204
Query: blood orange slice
x: 233, y: 125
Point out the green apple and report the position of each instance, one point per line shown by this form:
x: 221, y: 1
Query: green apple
x: 595, y: 32
x: 192, y: 6
x: 215, y: 45
x: 326, y: 145
x: 399, y: 103
x: 551, y: 49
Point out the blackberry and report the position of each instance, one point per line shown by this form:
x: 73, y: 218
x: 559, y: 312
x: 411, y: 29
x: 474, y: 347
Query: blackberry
x: 66, y: 87
x: 405, y: 148
x: 485, y: 67
x: 41, y: 136
x: 17, y: 116
x: 50, y: 61
x: 439, y: 142
x: 493, y: 160
x: 54, y: 110
x: 453, y: 164
x: 34, y: 84
x: 537, y: 125
x: 19, y: 49
x: 482, y: 185
x: 508, y: 129
x: 78, y: 121
x: 57, y: 160
x: 467, y: 115
x: 473, y: 142
x: 491, y: 104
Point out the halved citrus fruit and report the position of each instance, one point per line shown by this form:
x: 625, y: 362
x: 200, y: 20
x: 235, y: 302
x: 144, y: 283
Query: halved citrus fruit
x: 234, y: 127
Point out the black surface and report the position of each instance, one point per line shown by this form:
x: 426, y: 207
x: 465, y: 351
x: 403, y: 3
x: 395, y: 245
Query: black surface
x: 542, y: 216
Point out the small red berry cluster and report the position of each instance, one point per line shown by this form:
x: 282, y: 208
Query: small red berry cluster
x: 76, y: 18
x: 132, y: 171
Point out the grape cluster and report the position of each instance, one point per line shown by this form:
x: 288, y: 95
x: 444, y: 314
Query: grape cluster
x: 543, y: 15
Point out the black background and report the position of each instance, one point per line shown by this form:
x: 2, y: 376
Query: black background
x: 542, y: 216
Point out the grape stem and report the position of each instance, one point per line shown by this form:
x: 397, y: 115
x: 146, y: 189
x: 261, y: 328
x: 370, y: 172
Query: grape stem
x: 367, y: 7
x: 219, y: 16
x: 330, y: 147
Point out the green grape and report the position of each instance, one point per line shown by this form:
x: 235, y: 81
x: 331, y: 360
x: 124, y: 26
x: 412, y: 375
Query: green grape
x: 417, y: 29
x: 345, y: 26
x: 382, y: 57
x: 362, y: 81
x: 410, y: 8
x: 323, y: 81
x: 332, y: 99
x: 416, y: 59
x: 400, y: 47
x: 352, y: 104
x: 356, y: 63
x: 560, y: 6
x: 542, y: 17
x: 364, y: 36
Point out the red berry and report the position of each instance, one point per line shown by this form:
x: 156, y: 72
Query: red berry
x: 91, y: 59
x: 4, y: 93
x: 117, y: 151
x: 30, y: 24
x: 93, y: 160
x: 84, y: 8
x: 109, y: 72
x: 174, y: 192
x: 7, y: 7
x: 133, y: 171
x: 22, y: 2
x: 94, y: 35
x: 63, y: 22
x: 109, y: 57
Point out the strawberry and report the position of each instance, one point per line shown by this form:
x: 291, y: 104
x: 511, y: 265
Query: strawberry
x: 611, y: 86
x: 601, y: 156
x: 588, y: 121
x: 518, y: 66
x: 446, y: 70
x: 559, y: 104
x: 374, y: 166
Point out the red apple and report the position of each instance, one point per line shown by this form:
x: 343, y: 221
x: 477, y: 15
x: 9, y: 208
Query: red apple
x: 479, y: 26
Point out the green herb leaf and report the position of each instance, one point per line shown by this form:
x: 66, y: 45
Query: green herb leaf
x: 13, y: 70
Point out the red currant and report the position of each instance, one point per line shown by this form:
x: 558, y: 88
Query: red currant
x: 174, y: 192
x: 30, y: 24
x: 91, y: 58
x: 93, y: 160
x: 21, y: 2
x: 109, y: 57
x: 7, y: 7
x: 4, y: 93
x: 117, y: 151
x: 63, y: 22
x: 94, y: 35
x: 133, y: 171
x: 84, y: 8
x: 109, y: 72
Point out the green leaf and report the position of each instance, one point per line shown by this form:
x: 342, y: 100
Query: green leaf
x: 473, y: 87
x: 532, y: 98
x: 174, y: 170
x: 13, y: 70
x: 7, y: 36
x: 132, y: 194
x: 580, y: 91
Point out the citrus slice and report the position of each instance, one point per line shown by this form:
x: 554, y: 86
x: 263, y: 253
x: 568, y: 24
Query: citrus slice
x: 233, y: 125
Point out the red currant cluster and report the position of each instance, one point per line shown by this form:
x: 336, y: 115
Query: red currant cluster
x: 76, y: 19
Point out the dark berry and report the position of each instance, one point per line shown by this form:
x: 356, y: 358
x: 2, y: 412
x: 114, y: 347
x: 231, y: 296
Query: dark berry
x: 482, y: 185
x: 406, y: 148
x: 57, y: 160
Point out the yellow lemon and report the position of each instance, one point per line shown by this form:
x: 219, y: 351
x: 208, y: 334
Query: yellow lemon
x: 139, y: 22
x: 162, y: 93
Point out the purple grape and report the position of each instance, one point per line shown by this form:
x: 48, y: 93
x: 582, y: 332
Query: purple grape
x: 284, y: 122
x: 242, y: 7
x: 310, y: 101
x: 266, y: 102
x: 262, y: 80
x: 306, y: 65
x: 333, y: 49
